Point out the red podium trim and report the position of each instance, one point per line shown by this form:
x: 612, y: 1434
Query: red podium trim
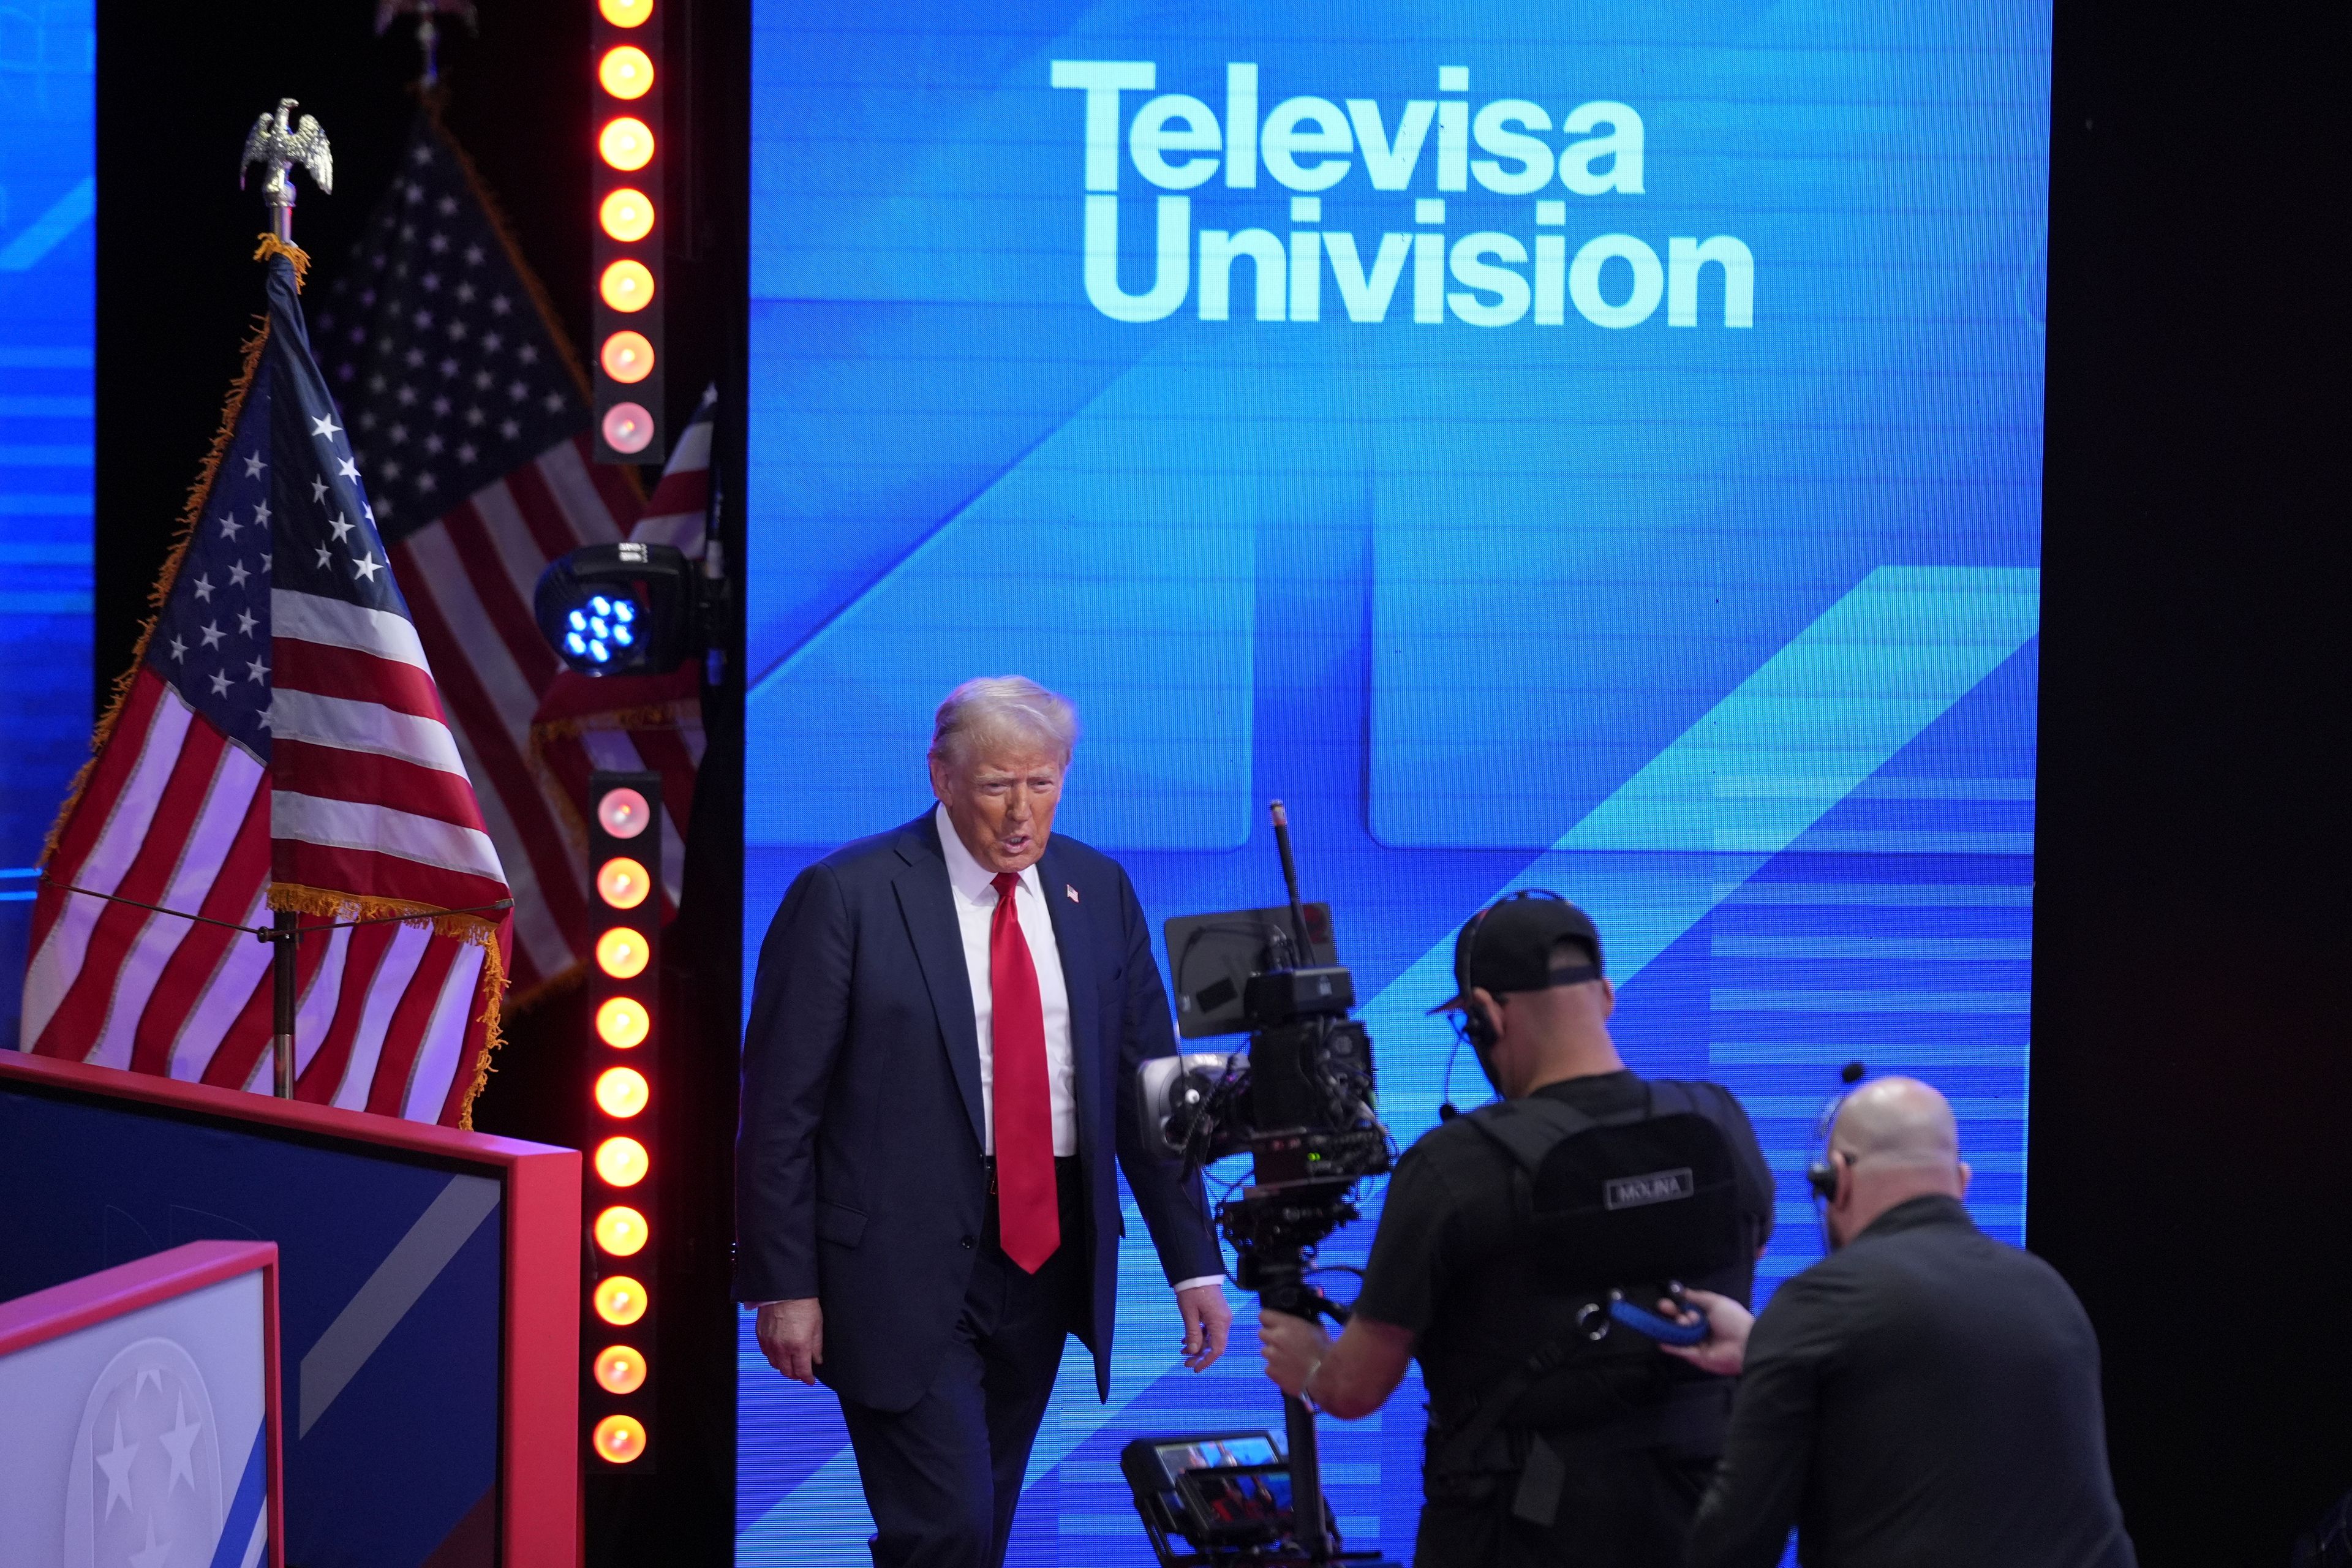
x: 539, y: 1444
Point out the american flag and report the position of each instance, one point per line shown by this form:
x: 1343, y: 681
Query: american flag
x: 471, y: 422
x: 625, y: 724
x: 280, y: 744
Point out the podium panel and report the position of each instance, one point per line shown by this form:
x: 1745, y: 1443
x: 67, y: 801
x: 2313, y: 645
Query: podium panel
x: 139, y: 1404
x: 429, y: 1295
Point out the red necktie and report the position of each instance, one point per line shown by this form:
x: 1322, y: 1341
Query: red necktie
x: 1028, y: 1217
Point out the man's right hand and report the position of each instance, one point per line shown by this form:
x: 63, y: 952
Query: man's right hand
x: 1725, y: 1349
x: 791, y: 1336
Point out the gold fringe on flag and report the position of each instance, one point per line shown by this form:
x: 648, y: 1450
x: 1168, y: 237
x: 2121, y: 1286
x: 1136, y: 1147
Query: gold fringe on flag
x: 190, y: 515
x: 272, y: 246
x: 480, y: 930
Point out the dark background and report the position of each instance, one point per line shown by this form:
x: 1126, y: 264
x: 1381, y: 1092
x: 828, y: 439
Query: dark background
x: 2190, y: 1164
x: 2191, y: 1170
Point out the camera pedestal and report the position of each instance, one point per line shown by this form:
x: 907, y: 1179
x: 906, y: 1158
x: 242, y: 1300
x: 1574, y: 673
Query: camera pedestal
x: 1315, y: 1535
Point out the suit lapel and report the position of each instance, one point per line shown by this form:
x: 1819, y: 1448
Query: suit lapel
x: 927, y: 902
x: 1072, y: 936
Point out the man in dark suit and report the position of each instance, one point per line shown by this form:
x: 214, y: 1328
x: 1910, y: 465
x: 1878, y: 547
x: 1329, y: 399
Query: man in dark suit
x: 1924, y: 1396
x: 938, y: 1068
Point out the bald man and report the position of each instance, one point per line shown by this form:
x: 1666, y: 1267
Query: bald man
x: 1924, y: 1396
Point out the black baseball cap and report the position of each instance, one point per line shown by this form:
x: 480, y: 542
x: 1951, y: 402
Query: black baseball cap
x: 1509, y: 945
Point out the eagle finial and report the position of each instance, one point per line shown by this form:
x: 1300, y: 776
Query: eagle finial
x: 278, y: 144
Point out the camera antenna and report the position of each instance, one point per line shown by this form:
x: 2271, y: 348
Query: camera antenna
x: 1290, y: 881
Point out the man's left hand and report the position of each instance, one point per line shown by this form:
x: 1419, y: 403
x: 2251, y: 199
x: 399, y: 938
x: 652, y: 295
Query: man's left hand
x: 1725, y: 1349
x: 1293, y: 1347
x: 1208, y: 1319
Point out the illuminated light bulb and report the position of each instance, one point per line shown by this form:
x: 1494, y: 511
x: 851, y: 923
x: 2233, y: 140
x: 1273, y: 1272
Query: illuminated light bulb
x: 622, y: 953
x: 620, y: 1369
x: 628, y: 428
x: 620, y: 1300
x: 626, y: 215
x: 626, y: 143
x: 626, y: 72
x: 624, y: 812
x: 627, y: 357
x: 627, y: 12
x: 621, y: 1162
x: 621, y: 1231
x: 622, y: 1023
x: 623, y: 883
x: 626, y: 286
x: 620, y: 1439
x: 620, y: 1092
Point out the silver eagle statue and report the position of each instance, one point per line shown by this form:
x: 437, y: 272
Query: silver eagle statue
x: 278, y: 144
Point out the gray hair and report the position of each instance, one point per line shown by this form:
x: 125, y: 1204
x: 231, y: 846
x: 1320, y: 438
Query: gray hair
x: 1002, y: 708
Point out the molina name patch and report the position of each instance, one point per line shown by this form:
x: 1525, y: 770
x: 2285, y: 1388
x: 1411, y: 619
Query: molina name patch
x: 1658, y: 1187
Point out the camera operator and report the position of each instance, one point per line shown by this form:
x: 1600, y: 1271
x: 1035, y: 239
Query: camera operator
x: 1547, y: 1444
x: 1924, y: 1395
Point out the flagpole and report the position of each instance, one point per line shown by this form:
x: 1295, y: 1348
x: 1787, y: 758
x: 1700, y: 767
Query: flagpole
x: 278, y: 145
x: 282, y: 970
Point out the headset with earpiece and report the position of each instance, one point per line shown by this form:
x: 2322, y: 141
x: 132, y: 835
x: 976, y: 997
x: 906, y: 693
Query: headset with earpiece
x: 1822, y: 1163
x: 1476, y: 1027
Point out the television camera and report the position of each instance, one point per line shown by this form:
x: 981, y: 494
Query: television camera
x: 1301, y: 1101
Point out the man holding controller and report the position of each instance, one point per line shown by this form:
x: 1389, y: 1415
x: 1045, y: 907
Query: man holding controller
x: 1924, y: 1396
x: 1548, y: 1445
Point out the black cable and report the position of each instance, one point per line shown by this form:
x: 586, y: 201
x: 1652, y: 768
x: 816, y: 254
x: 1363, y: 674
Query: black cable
x: 158, y: 908
x: 269, y: 933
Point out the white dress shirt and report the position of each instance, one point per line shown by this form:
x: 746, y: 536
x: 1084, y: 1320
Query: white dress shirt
x: 975, y: 906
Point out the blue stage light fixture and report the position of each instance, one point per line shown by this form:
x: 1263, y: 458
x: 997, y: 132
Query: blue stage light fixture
x: 621, y: 609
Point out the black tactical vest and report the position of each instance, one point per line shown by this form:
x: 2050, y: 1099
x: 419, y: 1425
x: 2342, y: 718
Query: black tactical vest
x: 1628, y: 1202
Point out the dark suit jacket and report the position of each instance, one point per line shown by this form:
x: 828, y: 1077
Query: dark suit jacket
x: 860, y: 1173
x: 1927, y: 1397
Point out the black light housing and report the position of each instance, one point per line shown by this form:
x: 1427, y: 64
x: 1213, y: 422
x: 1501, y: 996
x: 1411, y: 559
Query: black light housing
x: 629, y: 608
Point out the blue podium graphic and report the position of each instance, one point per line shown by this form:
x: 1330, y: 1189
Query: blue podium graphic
x: 1546, y: 445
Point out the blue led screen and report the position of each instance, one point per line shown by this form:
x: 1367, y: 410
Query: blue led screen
x: 49, y: 198
x: 1546, y: 445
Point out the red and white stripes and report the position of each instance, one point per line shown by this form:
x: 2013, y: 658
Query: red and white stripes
x: 468, y: 579
x: 175, y: 815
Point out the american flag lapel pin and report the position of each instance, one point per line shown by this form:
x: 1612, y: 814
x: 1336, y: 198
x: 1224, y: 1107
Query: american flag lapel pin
x: 1071, y: 890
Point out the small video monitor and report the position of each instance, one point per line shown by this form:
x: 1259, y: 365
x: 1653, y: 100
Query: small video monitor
x: 1211, y: 957
x: 1246, y: 1507
x: 1218, y: 1489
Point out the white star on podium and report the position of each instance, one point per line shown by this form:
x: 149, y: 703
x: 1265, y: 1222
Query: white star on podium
x: 180, y: 1442
x: 115, y: 1463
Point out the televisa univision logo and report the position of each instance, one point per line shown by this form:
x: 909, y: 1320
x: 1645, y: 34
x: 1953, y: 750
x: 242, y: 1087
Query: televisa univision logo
x: 1307, y: 145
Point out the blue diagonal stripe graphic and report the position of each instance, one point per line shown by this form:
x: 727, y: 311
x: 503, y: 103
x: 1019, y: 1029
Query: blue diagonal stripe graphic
x: 47, y: 232
x: 245, y: 1528
x: 1739, y: 786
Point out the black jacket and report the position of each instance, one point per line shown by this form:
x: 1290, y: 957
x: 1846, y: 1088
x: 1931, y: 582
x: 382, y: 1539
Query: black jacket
x: 858, y: 1171
x: 1927, y: 1397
